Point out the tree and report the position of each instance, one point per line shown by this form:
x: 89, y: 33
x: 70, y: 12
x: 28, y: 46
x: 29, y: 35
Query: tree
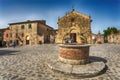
x: 110, y: 30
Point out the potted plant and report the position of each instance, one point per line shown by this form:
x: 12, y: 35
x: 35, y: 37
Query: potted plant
x: 82, y: 39
x: 99, y: 42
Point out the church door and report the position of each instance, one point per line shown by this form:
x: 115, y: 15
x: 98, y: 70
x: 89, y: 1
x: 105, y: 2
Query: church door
x: 73, y: 35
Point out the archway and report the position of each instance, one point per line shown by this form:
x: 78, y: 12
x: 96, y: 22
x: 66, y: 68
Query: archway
x: 73, y: 35
x: 27, y: 40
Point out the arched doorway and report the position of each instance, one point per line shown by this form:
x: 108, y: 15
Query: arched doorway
x: 48, y: 39
x: 73, y: 35
x: 27, y: 40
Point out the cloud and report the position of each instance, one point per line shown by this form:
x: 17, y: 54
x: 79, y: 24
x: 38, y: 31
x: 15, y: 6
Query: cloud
x: 3, y: 23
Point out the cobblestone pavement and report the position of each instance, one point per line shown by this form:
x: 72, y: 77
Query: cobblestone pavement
x: 29, y: 62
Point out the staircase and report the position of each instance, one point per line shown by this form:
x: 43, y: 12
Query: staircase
x: 20, y: 39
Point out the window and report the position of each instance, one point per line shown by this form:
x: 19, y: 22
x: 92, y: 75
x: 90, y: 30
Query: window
x: 10, y: 41
x: 72, y: 19
x: 10, y: 28
x: 6, y: 35
x: 29, y: 26
x: 22, y: 26
x: 10, y: 34
x: 16, y: 35
x: 16, y: 27
x: 0, y: 34
x: 22, y: 34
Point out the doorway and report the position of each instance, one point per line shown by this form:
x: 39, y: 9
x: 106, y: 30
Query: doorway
x: 17, y: 42
x: 73, y: 35
x: 27, y: 40
x: 0, y: 43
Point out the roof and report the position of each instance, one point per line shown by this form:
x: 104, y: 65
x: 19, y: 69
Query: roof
x: 94, y: 34
x: 49, y: 27
x: 4, y: 29
x: 28, y: 21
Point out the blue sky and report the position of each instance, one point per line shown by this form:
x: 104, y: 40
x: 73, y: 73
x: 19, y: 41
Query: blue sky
x: 104, y: 13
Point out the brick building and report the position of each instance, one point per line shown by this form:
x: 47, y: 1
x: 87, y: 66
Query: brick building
x: 6, y: 36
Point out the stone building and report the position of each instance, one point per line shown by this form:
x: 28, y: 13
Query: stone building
x: 76, y: 26
x: 114, y: 38
x: 118, y: 38
x: 97, y: 38
x: 6, y: 38
x: 30, y: 32
x: 94, y: 38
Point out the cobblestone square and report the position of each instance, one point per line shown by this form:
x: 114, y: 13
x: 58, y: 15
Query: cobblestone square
x: 29, y: 62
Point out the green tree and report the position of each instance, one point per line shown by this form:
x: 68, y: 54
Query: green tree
x: 110, y: 30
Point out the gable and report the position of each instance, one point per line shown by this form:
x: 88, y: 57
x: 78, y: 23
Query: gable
x: 74, y: 14
x: 74, y: 18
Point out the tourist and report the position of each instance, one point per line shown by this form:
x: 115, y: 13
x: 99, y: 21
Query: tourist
x: 14, y: 43
x: 72, y: 40
x: 66, y: 40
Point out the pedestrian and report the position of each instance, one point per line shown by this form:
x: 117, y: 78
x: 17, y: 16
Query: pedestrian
x: 72, y: 40
x: 66, y: 40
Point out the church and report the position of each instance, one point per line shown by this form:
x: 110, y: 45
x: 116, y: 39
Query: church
x: 76, y: 26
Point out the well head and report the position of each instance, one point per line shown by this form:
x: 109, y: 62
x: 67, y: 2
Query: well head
x: 74, y: 54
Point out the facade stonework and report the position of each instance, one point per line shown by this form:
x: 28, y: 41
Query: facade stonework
x: 74, y: 25
x: 30, y: 32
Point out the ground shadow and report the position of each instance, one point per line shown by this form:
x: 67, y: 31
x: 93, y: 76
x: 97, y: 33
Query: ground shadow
x: 7, y: 52
x: 97, y: 59
x: 83, y: 76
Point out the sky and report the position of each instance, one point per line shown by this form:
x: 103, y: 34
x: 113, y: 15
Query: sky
x: 104, y: 13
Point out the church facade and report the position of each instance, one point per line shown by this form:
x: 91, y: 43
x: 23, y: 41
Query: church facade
x: 76, y: 26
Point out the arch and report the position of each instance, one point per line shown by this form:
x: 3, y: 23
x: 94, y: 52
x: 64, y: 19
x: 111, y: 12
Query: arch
x: 27, y: 37
x: 73, y: 30
x: 27, y: 40
x: 73, y: 34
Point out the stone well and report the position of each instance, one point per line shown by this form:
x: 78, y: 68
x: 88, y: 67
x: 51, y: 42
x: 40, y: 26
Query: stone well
x: 74, y: 54
x: 71, y: 56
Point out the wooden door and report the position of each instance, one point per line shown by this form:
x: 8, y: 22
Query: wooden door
x: 73, y: 35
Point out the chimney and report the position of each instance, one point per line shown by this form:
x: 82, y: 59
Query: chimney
x: 28, y: 20
x: 43, y: 21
